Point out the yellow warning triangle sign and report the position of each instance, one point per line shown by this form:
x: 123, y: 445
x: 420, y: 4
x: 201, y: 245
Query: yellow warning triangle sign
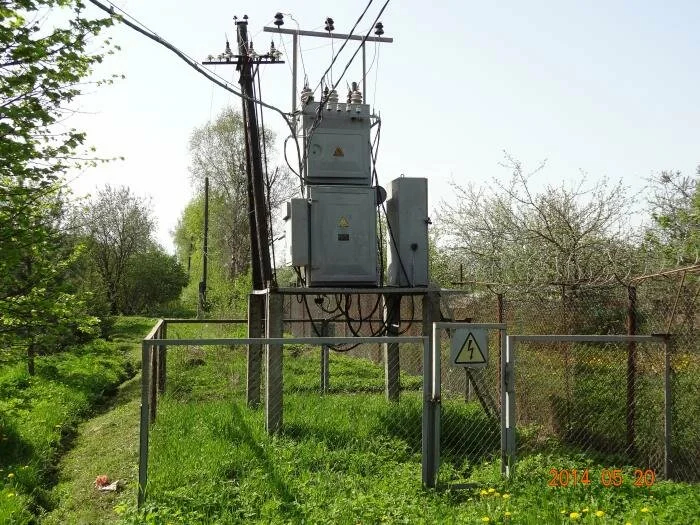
x: 338, y: 152
x: 470, y: 353
x: 343, y: 223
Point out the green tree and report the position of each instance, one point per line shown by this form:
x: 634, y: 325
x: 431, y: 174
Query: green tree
x: 41, y: 69
x: 675, y: 208
x: 135, y: 273
x: 217, y: 151
x: 153, y: 280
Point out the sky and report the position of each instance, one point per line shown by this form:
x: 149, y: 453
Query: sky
x: 601, y: 88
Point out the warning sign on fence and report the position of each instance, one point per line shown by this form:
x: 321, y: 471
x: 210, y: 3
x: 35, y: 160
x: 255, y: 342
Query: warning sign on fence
x: 469, y: 348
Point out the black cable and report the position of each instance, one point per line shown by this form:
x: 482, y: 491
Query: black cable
x: 388, y: 224
x: 267, y: 178
x: 188, y: 60
x: 347, y: 39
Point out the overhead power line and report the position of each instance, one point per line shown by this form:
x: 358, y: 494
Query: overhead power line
x: 213, y: 77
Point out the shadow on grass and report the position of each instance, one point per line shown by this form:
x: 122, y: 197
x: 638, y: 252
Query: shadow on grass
x: 239, y: 430
x: 467, y: 434
x: 14, y: 450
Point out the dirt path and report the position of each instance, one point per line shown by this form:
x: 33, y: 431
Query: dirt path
x: 106, y: 444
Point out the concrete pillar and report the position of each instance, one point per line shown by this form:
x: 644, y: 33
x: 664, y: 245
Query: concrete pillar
x: 273, y: 362
x: 256, y: 313
x: 327, y: 330
x: 392, y: 365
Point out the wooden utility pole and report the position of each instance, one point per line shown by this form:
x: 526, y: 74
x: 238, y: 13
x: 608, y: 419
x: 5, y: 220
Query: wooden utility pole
x: 257, y: 204
x: 257, y: 176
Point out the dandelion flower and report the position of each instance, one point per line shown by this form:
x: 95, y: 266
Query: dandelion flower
x: 483, y: 493
x: 574, y: 515
x: 11, y: 475
x: 497, y: 494
x: 563, y: 511
x: 585, y: 510
x: 507, y: 514
x: 599, y: 513
x: 11, y: 495
x: 645, y: 509
x: 485, y: 519
x: 491, y: 491
x: 506, y: 496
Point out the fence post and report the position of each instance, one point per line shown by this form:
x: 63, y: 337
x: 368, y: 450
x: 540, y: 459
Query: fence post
x: 273, y: 361
x: 144, y: 423
x: 326, y: 331
x: 162, y: 358
x: 668, y: 407
x: 153, y: 383
x: 508, y: 418
x: 631, y: 369
x: 501, y: 316
x: 392, y: 364
x: 256, y: 307
x: 429, y: 438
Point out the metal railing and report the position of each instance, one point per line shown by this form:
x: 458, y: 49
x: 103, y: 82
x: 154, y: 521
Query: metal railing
x: 154, y: 372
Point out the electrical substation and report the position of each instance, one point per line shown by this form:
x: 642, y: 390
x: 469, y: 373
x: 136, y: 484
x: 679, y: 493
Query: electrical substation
x: 352, y: 244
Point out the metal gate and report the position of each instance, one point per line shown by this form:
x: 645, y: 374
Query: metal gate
x: 468, y: 419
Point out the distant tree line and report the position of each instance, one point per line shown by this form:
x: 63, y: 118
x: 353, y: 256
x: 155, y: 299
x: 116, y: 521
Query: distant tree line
x: 63, y: 271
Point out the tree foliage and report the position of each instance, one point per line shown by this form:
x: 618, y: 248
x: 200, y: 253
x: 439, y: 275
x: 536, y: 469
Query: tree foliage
x: 134, y: 272
x: 41, y: 69
x: 217, y: 151
x: 675, y: 208
x: 567, y: 236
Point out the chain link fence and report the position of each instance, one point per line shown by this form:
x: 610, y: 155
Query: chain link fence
x: 606, y: 400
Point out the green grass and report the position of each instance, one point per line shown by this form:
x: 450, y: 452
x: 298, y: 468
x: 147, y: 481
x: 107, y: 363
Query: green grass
x: 39, y: 415
x: 344, y: 457
x: 350, y: 457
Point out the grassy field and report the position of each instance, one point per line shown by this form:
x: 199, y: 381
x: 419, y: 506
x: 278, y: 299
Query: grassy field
x: 39, y: 415
x: 344, y: 457
x: 351, y: 457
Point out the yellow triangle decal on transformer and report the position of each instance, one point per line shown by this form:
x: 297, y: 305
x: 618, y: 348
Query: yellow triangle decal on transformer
x: 343, y: 223
x: 470, y: 353
x: 338, y: 152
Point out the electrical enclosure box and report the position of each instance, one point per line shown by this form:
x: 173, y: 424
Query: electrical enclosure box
x: 339, y: 147
x: 296, y: 237
x: 407, y: 217
x: 343, y: 238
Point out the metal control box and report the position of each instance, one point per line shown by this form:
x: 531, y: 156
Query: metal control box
x: 407, y: 217
x: 343, y: 238
x: 338, y: 144
x: 296, y: 238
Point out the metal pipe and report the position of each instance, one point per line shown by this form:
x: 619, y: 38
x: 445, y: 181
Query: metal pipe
x: 295, y: 43
x: 143, y: 426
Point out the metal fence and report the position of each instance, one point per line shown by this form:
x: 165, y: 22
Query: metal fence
x: 351, y: 389
x: 575, y: 394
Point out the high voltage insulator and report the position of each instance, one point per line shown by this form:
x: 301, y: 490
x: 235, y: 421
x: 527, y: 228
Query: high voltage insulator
x: 279, y: 19
x: 306, y: 94
x: 329, y: 24
x: 379, y: 29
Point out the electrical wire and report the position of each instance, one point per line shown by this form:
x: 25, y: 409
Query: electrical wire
x: 319, y: 111
x: 206, y: 72
x: 373, y: 155
x: 267, y: 180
